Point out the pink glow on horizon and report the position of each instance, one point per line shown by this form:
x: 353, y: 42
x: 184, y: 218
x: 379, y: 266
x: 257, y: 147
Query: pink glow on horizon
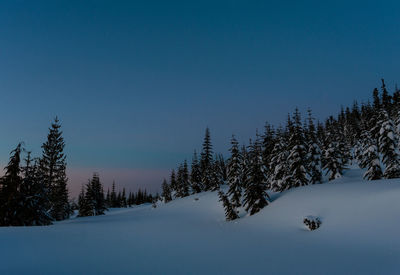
x: 131, y: 179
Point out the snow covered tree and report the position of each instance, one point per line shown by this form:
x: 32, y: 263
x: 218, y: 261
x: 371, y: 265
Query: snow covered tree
x: 314, y: 152
x: 297, y: 159
x: 52, y: 168
x: 195, y: 175
x: 279, y: 163
x: 166, y: 192
x: 268, y: 144
x: 230, y: 211
x: 333, y: 163
x: 255, y: 195
x: 374, y: 170
x: 388, y: 147
x: 182, y: 181
x: 218, y: 173
x: 234, y: 174
x: 332, y: 158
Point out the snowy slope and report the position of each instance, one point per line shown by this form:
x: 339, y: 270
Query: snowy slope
x: 360, y: 234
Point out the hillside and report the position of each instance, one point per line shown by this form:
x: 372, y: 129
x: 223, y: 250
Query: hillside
x: 359, y: 235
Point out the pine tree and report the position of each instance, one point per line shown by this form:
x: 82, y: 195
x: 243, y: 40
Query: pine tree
x: 92, y: 202
x: 255, y: 195
x: 195, y: 175
x: 234, y: 174
x: 297, y: 175
x: 173, y: 183
x: 206, y: 162
x: 268, y: 145
x: 82, y: 205
x: 333, y: 152
x: 166, y: 192
x: 35, y: 195
x: 123, y: 198
x: 113, y: 197
x: 52, y: 167
x: 388, y: 147
x: 230, y: 211
x: 314, y: 152
x: 10, y: 196
x: 185, y: 179
x: 333, y: 163
x: 374, y: 171
x: 217, y: 173
x: 279, y: 164
x: 386, y: 98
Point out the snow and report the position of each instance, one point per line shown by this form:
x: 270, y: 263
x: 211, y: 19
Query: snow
x: 359, y: 235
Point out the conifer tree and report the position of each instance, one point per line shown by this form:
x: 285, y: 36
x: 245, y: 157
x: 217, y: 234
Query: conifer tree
x: 206, y: 162
x: 279, y: 164
x: 314, y: 152
x: 255, y: 195
x: 195, y: 175
x: 185, y: 179
x: 374, y: 171
x: 297, y: 175
x: 92, y: 202
x: 52, y: 167
x: 234, y: 174
x: 35, y: 195
x: 173, y: 183
x: 10, y: 196
x: 166, y: 192
x: 113, y: 196
x: 230, y: 211
x: 268, y: 145
x: 123, y: 198
x: 332, y: 154
x: 388, y: 147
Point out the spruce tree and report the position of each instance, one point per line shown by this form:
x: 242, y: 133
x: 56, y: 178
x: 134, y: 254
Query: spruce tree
x: 388, y: 147
x: 166, y: 192
x: 173, y: 183
x: 255, y: 195
x: 195, y: 175
x: 230, y: 211
x: 113, y: 197
x: 297, y: 159
x: 234, y: 174
x: 52, y: 167
x: 185, y: 179
x: 268, y: 144
x: 35, y: 195
x: 279, y: 164
x: 314, y: 152
x: 206, y: 162
x: 10, y: 197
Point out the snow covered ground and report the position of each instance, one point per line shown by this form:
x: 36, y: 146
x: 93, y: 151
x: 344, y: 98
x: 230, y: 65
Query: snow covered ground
x: 360, y: 234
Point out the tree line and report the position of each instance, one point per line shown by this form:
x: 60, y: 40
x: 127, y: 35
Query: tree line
x: 302, y: 152
x: 34, y: 191
x: 92, y: 200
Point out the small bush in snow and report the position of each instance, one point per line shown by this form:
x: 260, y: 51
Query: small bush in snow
x: 312, y: 223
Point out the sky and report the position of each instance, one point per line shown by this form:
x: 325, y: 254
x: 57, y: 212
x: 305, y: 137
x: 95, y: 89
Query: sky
x: 135, y: 83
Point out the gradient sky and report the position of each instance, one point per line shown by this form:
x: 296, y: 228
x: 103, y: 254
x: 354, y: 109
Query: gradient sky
x: 135, y: 83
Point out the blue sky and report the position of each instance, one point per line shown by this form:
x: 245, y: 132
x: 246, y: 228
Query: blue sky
x: 136, y: 83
